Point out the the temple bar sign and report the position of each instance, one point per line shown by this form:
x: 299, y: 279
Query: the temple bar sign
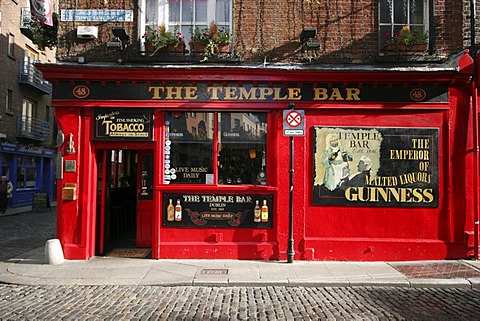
x: 121, y: 124
x: 281, y: 92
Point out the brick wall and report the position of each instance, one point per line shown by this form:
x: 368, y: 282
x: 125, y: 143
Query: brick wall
x: 10, y: 24
x: 269, y: 30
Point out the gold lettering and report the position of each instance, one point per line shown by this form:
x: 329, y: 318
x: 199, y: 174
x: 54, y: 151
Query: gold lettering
x: 173, y: 92
x: 336, y: 94
x: 156, y: 91
x: 264, y: 92
x: 276, y: 94
x: 246, y: 95
x: 320, y: 94
x: 353, y: 93
x: 214, y: 92
x: 231, y: 93
x: 190, y: 92
x: 389, y: 194
x: 294, y: 94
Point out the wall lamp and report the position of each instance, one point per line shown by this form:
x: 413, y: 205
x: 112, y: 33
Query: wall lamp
x: 122, y: 38
x: 308, y: 39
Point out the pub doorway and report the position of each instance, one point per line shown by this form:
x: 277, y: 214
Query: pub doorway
x: 124, y: 201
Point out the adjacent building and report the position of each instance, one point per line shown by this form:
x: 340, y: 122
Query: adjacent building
x: 26, y: 114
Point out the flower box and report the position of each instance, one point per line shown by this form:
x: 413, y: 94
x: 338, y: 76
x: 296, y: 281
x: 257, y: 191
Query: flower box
x: 420, y: 49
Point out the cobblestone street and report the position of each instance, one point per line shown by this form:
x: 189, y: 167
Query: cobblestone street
x: 23, y: 232
x: 235, y: 303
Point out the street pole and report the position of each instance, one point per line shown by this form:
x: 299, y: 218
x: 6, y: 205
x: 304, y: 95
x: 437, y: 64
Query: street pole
x: 291, y: 251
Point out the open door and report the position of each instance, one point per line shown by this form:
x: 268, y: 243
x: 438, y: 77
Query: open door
x: 116, y: 199
x: 145, y: 205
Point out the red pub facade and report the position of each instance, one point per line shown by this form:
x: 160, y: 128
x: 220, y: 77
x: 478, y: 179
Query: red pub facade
x: 319, y: 135
x: 198, y: 160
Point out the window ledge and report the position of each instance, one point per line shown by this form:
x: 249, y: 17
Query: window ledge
x: 411, y: 58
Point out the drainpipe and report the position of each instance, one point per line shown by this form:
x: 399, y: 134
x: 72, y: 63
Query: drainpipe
x: 474, y: 98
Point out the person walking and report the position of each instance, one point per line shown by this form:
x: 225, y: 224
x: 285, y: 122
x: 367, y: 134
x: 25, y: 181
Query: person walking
x: 6, y: 189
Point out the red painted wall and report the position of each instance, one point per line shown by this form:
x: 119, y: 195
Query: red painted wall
x: 320, y: 232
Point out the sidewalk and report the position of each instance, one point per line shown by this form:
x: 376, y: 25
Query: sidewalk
x: 24, y: 209
x: 30, y: 269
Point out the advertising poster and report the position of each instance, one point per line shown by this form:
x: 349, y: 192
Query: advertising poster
x: 395, y: 167
x: 218, y: 210
x: 121, y: 124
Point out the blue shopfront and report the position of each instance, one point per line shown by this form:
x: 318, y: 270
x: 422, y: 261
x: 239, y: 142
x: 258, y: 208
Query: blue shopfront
x: 30, y: 169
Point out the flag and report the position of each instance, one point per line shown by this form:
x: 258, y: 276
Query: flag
x: 41, y: 10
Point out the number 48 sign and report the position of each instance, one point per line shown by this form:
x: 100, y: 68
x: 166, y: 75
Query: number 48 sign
x: 293, y: 122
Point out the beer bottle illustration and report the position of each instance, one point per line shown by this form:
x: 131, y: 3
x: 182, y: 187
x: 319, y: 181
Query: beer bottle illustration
x: 257, y: 213
x: 264, y: 211
x: 170, y: 211
x: 178, y: 211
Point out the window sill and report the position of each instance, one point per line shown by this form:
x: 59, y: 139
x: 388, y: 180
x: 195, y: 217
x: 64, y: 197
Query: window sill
x: 410, y: 58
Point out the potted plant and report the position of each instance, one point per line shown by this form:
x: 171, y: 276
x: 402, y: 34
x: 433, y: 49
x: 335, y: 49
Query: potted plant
x: 406, y: 42
x: 199, y: 40
x: 210, y: 40
x: 223, y: 41
x: 162, y: 39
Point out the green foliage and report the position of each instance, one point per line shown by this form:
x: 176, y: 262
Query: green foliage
x: 162, y: 37
x: 406, y: 37
x: 44, y: 36
x: 210, y: 37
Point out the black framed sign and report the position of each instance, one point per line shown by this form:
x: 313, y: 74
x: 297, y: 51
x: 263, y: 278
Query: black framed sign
x: 218, y: 210
x: 123, y: 124
x: 396, y: 167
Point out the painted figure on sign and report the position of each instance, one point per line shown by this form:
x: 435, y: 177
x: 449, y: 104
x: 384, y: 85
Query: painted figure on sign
x: 335, y: 160
x: 360, y: 178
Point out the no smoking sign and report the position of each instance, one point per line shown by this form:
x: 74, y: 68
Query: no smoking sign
x: 293, y: 122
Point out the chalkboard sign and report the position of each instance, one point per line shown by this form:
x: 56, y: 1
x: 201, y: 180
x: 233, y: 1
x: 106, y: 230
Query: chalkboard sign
x: 41, y: 201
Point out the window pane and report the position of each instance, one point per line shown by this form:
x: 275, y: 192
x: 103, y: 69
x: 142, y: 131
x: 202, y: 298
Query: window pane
x: 151, y: 9
x: 189, y: 153
x: 187, y: 12
x: 400, y: 11
x: 174, y: 11
x: 222, y: 15
x: 31, y: 177
x: 201, y: 10
x: 242, y: 148
x: 21, y: 177
x: 417, y: 12
x: 385, y: 12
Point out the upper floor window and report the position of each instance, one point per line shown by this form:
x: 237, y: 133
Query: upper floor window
x: 11, y: 45
x: 402, y: 17
x: 185, y: 15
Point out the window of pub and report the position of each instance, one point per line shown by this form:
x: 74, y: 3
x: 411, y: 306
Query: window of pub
x: 241, y: 140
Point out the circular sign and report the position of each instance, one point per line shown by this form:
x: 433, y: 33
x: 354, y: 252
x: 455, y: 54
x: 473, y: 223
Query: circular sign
x: 294, y: 119
x: 81, y: 91
x: 418, y: 94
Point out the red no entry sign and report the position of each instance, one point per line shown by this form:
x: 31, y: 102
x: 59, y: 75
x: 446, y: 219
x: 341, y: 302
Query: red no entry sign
x: 293, y: 122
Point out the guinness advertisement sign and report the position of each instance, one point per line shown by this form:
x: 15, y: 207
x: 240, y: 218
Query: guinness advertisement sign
x: 395, y: 167
x: 123, y: 124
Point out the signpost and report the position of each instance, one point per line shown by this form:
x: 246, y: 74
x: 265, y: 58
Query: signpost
x: 293, y: 125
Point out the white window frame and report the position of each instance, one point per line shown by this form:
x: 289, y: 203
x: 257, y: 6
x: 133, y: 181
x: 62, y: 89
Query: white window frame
x: 395, y: 27
x: 163, y: 19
